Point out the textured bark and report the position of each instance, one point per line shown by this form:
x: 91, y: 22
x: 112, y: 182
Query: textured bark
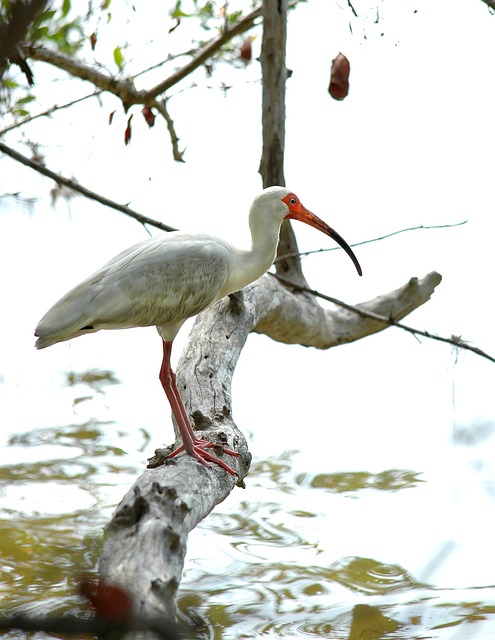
x: 145, y: 542
x: 275, y: 75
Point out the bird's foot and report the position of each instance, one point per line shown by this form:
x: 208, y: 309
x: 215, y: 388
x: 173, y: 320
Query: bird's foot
x: 197, y: 449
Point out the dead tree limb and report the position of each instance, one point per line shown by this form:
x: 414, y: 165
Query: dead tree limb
x: 145, y: 542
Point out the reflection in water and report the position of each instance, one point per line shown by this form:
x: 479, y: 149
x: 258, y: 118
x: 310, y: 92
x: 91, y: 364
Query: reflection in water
x: 266, y: 564
x: 370, y: 577
x: 389, y: 480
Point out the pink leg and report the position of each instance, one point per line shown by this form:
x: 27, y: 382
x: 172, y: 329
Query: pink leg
x: 191, y: 444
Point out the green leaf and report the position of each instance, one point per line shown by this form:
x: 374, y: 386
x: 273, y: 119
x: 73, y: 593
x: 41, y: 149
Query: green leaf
x: 66, y: 7
x: 105, y: 4
x: 179, y: 14
x: 46, y: 15
x: 118, y: 57
x: 9, y: 83
x: 235, y: 16
x: 207, y: 10
x: 26, y: 99
x: 38, y: 33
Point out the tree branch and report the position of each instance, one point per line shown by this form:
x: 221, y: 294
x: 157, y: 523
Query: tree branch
x: 161, y: 107
x: 145, y: 541
x: 392, y: 321
x: 124, y: 89
x: 207, y: 52
x: 75, y: 186
x: 48, y: 112
x: 423, y: 227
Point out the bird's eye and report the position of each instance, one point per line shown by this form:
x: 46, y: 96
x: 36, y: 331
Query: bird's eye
x: 293, y: 200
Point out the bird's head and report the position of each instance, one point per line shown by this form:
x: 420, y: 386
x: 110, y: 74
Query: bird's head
x: 283, y: 204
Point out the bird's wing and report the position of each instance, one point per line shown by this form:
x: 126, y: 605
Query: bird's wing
x: 161, y: 281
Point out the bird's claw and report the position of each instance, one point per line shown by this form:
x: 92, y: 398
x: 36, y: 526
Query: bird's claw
x: 197, y: 450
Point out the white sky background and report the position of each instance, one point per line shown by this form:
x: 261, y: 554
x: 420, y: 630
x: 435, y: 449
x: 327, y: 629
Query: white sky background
x: 411, y: 145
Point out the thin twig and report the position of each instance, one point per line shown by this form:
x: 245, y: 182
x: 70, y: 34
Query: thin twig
x: 75, y: 186
x: 48, y: 112
x: 349, y: 3
x: 453, y: 340
x: 161, y: 107
x: 384, y: 237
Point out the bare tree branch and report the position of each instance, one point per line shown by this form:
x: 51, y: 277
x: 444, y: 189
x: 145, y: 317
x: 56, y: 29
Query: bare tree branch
x: 75, y: 186
x: 349, y: 3
x: 161, y: 107
x: 49, y: 112
x: 123, y: 89
x: 378, y: 238
x: 208, y: 51
x: 391, y: 321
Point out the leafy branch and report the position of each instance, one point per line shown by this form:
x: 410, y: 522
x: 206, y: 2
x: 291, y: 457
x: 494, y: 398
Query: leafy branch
x: 124, y: 88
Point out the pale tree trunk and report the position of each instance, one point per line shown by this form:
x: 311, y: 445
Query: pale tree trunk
x: 145, y: 542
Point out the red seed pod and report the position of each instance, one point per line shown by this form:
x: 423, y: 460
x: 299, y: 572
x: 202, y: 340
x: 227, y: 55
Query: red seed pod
x: 339, y: 77
x: 149, y: 116
x: 128, y: 131
x: 246, y: 52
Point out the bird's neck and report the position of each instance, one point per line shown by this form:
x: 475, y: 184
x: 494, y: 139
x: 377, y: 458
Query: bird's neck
x: 251, y: 264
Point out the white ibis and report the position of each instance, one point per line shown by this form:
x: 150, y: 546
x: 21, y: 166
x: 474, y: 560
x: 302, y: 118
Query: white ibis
x: 166, y: 279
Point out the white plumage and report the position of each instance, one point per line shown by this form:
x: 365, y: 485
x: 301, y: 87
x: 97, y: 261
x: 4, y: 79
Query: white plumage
x: 169, y: 278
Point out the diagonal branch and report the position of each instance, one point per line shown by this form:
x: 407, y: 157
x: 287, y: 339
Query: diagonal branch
x: 75, y: 186
x: 422, y: 227
x: 48, y: 112
x: 124, y: 89
x: 390, y: 320
x: 206, y: 52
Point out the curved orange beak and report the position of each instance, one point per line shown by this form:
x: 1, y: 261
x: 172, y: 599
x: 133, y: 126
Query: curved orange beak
x: 297, y: 211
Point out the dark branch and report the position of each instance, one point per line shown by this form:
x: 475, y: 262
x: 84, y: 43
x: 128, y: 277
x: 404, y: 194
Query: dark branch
x: 48, y: 112
x: 378, y: 238
x: 453, y: 340
x: 75, y: 186
x: 207, y: 52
